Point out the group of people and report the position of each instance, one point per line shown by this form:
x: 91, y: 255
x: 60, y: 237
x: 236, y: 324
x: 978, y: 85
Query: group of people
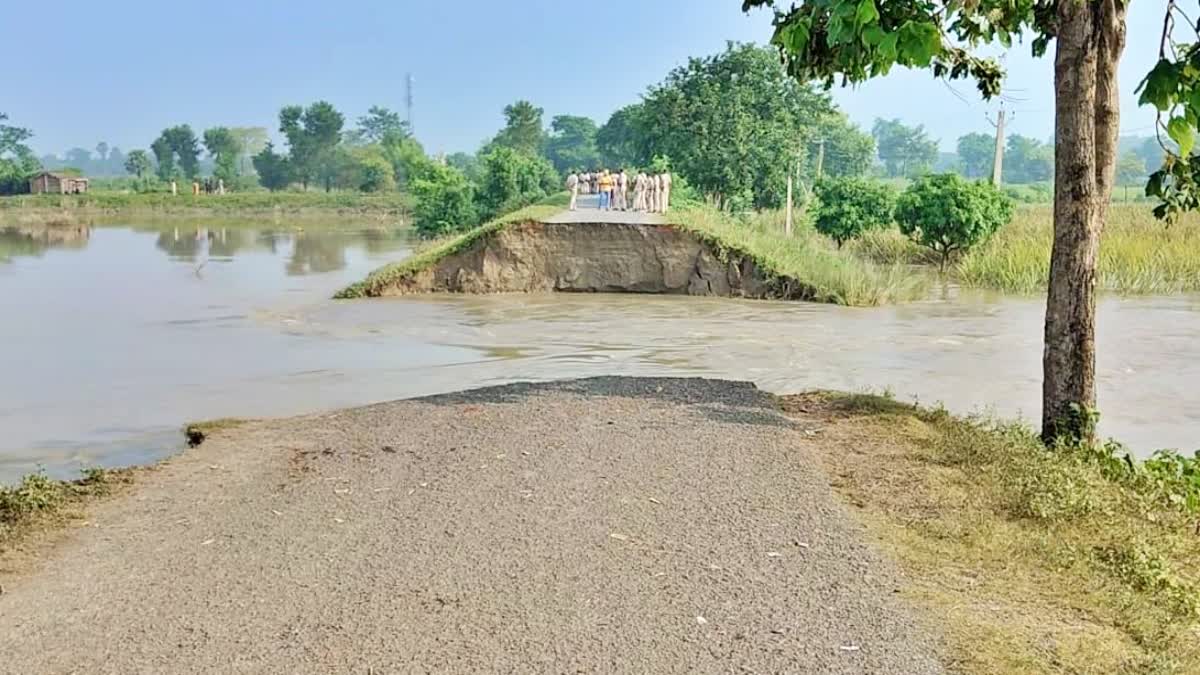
x: 651, y: 192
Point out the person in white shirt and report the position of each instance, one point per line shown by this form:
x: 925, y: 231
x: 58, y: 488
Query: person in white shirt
x: 573, y: 188
x: 639, y: 192
x: 665, y: 196
x: 621, y: 191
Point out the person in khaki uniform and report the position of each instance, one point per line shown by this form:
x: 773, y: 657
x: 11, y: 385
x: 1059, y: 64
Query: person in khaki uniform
x: 621, y: 191
x: 573, y: 188
x: 639, y: 192
x: 665, y: 198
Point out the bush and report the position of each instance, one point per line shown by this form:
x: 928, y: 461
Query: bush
x: 948, y: 214
x: 850, y: 206
x: 514, y: 180
x: 445, y: 202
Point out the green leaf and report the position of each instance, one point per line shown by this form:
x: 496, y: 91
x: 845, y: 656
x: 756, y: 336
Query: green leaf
x: 866, y: 12
x: 887, y: 47
x: 873, y: 35
x: 1158, y: 87
x: 1182, y: 133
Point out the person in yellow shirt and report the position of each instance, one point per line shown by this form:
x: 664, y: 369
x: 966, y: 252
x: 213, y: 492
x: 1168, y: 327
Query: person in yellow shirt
x: 606, y: 187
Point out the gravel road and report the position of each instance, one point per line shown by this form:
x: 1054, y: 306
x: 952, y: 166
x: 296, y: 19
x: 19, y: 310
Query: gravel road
x: 594, y: 526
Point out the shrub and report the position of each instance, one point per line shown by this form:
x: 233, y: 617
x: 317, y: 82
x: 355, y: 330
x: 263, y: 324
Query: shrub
x: 513, y: 180
x: 445, y: 202
x: 850, y: 206
x: 948, y: 213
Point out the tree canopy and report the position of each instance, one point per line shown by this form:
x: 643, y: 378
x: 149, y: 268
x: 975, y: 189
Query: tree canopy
x: 571, y: 145
x: 312, y: 133
x: 976, y: 154
x: 904, y: 150
x: 224, y: 148
x: 17, y: 161
x: 522, y: 130
x: 378, y: 123
x: 735, y: 125
x: 177, y: 151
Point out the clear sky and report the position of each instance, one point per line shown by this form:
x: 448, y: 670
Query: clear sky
x: 121, y: 71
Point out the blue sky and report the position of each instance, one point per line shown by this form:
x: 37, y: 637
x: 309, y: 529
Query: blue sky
x: 121, y: 71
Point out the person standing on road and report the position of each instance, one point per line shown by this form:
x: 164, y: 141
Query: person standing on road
x: 639, y: 192
x: 666, y: 192
x: 653, y: 192
x: 622, y: 191
x: 573, y: 188
x: 605, y: 185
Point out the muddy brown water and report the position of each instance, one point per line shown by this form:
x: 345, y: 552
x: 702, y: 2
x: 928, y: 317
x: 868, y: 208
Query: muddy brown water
x: 112, y: 342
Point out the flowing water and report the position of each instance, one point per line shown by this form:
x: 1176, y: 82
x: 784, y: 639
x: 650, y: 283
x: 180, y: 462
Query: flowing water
x: 115, y: 338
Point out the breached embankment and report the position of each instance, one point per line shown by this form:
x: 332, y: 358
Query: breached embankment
x: 530, y: 256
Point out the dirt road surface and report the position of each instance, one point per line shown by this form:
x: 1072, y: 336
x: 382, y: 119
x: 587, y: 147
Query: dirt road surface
x: 594, y: 526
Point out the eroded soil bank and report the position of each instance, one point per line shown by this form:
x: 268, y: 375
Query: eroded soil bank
x: 598, y: 258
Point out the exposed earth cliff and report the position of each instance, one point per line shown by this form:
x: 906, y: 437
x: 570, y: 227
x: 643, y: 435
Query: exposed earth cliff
x: 586, y: 257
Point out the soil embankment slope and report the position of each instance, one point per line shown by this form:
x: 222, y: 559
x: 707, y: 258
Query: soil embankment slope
x: 612, y: 257
x: 605, y: 525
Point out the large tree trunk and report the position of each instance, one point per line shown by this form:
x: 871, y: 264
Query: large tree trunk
x: 1091, y: 36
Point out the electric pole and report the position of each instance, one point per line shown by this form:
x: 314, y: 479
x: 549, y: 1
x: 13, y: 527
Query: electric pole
x: 408, y: 100
x: 998, y: 161
x: 820, y: 157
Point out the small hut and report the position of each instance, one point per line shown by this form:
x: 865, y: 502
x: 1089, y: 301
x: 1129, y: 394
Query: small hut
x: 57, y: 183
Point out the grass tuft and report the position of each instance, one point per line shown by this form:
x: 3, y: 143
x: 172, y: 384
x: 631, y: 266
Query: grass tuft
x: 39, y: 499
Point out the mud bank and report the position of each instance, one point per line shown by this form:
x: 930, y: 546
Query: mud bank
x: 595, y: 258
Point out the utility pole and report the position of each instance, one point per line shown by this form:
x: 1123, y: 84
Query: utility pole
x: 998, y: 161
x: 408, y: 100
x: 787, y: 224
x: 820, y: 157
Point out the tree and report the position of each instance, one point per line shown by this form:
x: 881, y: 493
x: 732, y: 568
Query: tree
x: 274, y: 170
x: 251, y: 140
x: 444, y: 202
x: 513, y: 179
x: 379, y: 122
x: 408, y: 158
x: 904, y: 150
x: 467, y: 163
x: 224, y: 148
x: 178, y: 152
x: 1131, y: 170
x: 312, y: 134
x: 619, y: 140
x: 848, y: 151
x: 735, y: 125
x: 572, y: 144
x: 848, y: 206
x: 137, y: 162
x: 976, y: 154
x: 102, y: 151
x: 522, y: 130
x: 825, y: 39
x: 1027, y: 160
x: 949, y: 214
x: 17, y: 161
x: 374, y: 171
x: 164, y: 156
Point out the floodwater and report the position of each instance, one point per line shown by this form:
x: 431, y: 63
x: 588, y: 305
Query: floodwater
x: 113, y: 339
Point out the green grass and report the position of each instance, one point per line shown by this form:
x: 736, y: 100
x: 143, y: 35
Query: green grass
x: 40, y: 500
x: 389, y: 204
x: 1138, y: 254
x: 1028, y: 559
x: 810, y: 258
x: 385, y: 276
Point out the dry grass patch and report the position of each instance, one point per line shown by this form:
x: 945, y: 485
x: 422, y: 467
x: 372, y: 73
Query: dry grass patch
x: 1028, y: 560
